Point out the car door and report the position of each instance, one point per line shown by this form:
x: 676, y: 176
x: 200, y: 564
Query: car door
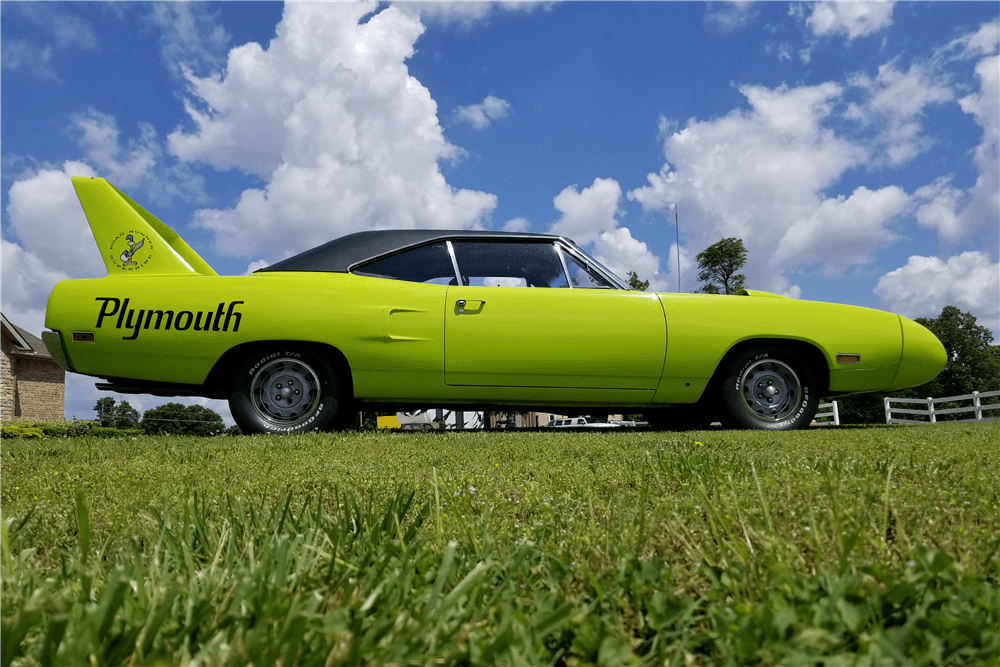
x: 550, y: 332
x: 400, y: 350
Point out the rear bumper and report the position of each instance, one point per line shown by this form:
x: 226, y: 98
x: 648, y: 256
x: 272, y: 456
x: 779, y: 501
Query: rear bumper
x: 54, y: 344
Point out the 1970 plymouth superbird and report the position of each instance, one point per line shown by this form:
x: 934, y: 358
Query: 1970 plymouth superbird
x: 405, y: 319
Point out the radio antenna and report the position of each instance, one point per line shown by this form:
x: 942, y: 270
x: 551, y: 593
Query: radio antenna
x: 677, y: 226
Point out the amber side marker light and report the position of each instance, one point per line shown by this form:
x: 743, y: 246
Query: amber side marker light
x: 81, y: 337
x: 848, y: 358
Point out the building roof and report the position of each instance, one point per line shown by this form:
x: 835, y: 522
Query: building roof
x: 341, y: 254
x: 26, y: 342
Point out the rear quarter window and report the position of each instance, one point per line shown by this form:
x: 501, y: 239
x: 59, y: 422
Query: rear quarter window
x: 424, y: 264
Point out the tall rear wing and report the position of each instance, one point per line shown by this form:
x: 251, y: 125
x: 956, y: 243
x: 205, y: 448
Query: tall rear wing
x: 130, y: 238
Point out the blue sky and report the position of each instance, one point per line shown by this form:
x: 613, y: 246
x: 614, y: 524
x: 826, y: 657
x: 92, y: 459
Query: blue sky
x: 852, y: 146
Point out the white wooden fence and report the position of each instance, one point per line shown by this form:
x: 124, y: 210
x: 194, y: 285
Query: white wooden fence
x: 833, y: 415
x: 931, y: 411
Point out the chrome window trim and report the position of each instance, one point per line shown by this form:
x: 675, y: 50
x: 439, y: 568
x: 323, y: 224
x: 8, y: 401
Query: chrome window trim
x: 561, y: 243
x: 454, y: 263
x: 599, y: 268
x: 547, y: 241
x: 562, y: 260
x: 448, y: 237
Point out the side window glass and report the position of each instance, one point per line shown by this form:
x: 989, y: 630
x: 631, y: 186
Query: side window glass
x: 582, y: 276
x: 425, y: 264
x: 509, y: 264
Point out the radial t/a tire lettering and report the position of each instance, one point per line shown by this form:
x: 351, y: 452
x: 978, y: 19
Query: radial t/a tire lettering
x: 770, y: 389
x: 285, y: 389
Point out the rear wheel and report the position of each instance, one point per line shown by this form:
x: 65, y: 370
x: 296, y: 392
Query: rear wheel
x: 286, y: 390
x: 770, y: 389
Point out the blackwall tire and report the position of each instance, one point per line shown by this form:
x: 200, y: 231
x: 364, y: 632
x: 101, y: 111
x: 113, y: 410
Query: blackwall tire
x: 769, y: 389
x: 285, y: 389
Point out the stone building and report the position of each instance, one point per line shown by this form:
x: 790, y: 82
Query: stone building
x: 33, y: 385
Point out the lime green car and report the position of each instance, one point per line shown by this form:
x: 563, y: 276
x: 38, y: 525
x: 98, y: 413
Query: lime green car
x: 407, y: 319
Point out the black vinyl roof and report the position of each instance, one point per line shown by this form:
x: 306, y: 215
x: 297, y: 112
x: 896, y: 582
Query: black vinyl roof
x: 341, y: 254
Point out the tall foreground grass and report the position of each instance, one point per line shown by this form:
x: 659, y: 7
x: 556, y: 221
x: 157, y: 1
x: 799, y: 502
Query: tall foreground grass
x: 851, y: 546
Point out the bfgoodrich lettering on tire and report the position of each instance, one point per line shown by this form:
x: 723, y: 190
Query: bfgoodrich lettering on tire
x: 770, y: 389
x: 285, y: 390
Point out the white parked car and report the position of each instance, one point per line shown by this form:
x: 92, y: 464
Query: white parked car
x: 580, y: 422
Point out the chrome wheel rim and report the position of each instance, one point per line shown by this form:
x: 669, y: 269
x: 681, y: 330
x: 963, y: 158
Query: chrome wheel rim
x: 770, y: 390
x: 285, y: 392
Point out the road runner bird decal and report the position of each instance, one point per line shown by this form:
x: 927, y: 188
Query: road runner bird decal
x: 132, y: 248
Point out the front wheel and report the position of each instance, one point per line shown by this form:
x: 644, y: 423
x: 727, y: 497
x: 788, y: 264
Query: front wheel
x: 769, y: 389
x: 285, y: 390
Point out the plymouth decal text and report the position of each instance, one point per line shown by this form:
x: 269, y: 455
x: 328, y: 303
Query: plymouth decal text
x: 137, y: 320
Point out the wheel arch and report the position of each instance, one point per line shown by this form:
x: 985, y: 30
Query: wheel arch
x: 808, y: 352
x: 221, y: 375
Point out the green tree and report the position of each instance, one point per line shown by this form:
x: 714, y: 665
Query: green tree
x: 105, y: 409
x: 635, y: 283
x: 178, y: 419
x: 126, y: 416
x: 718, y: 265
x: 973, y: 365
x: 122, y: 415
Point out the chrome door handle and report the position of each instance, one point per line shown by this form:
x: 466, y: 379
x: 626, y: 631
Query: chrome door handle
x: 460, y: 306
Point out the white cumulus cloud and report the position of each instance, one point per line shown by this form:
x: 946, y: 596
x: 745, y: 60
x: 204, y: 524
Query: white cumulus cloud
x: 482, y: 115
x: 137, y: 165
x: 46, y: 218
x: 97, y: 134
x: 620, y: 252
x: 47, y: 240
x: 852, y: 18
x: 983, y: 42
x: 191, y: 37
x: 925, y: 285
x: 984, y: 105
x: 27, y: 282
x: 843, y: 231
x: 759, y: 175
x: 730, y: 16
x: 256, y: 266
x: 770, y: 174
x: 587, y: 213
x: 329, y: 118
x: 463, y: 12
x: 590, y: 216
x: 894, y: 106
x: 954, y: 212
x: 762, y: 166
x: 516, y: 225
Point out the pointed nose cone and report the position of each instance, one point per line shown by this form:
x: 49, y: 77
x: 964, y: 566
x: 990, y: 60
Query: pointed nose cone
x: 923, y: 356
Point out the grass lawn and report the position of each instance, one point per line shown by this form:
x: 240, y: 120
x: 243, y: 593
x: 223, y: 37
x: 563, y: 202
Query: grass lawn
x: 829, y: 546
